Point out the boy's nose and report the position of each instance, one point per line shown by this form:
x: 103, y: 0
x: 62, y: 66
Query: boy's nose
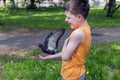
x: 65, y: 19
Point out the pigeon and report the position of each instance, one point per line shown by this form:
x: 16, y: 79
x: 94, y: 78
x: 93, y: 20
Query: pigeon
x: 50, y: 44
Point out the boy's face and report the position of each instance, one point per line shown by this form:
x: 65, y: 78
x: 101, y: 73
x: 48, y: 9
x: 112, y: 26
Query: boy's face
x: 72, y: 20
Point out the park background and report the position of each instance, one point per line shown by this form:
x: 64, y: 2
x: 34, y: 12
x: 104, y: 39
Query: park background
x: 103, y: 59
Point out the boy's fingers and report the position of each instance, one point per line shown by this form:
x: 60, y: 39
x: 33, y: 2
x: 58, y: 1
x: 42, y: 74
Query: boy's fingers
x: 38, y: 56
x: 41, y: 57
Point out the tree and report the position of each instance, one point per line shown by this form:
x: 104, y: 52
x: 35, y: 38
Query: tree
x: 32, y: 4
x: 112, y: 7
x: 12, y: 4
x: 4, y: 2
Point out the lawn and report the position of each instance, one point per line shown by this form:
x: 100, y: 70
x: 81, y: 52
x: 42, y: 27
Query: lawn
x: 102, y: 64
x: 52, y: 18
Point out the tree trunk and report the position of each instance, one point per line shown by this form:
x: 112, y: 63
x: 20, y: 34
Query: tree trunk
x: 12, y: 3
x: 32, y: 2
x: 110, y: 5
x: 4, y: 3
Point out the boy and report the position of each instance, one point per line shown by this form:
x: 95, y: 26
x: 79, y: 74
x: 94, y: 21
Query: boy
x: 77, y: 45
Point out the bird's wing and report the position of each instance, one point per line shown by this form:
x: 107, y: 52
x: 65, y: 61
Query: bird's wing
x: 46, y: 39
x: 54, y: 39
x: 51, y: 42
x: 44, y: 45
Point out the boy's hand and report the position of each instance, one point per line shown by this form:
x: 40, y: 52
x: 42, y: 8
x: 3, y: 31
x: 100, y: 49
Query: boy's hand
x: 39, y: 56
x: 45, y: 57
x: 42, y: 57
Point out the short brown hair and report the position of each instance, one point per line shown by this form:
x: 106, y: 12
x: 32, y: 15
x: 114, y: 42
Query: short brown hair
x: 78, y: 7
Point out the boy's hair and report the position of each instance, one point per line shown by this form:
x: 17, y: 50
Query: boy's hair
x: 77, y: 7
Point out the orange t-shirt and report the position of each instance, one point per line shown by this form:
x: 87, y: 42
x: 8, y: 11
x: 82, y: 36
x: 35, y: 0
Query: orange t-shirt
x: 74, y: 67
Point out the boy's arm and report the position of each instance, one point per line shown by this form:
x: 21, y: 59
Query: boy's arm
x: 69, y: 48
x: 78, y: 37
x: 50, y: 56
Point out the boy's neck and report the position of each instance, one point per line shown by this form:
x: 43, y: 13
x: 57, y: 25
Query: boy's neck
x: 84, y: 23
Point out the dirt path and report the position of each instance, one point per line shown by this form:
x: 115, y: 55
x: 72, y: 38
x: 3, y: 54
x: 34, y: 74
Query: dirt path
x: 23, y: 40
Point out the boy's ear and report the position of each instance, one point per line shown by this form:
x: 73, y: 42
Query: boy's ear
x: 80, y: 17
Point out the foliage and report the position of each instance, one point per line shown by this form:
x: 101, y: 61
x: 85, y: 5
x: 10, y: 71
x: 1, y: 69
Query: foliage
x: 51, y: 18
x: 102, y: 64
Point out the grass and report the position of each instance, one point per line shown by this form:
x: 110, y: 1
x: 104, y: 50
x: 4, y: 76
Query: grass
x: 102, y: 64
x: 103, y: 61
x: 41, y: 19
x: 19, y: 68
x: 51, y: 18
x: 97, y: 18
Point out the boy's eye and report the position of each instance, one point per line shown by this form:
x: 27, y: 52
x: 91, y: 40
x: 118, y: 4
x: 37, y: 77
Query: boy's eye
x: 68, y: 17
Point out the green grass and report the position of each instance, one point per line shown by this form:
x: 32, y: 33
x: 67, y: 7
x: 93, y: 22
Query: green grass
x: 103, y: 61
x: 97, y: 18
x: 102, y: 64
x: 51, y: 18
x: 41, y: 19
x: 21, y: 68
